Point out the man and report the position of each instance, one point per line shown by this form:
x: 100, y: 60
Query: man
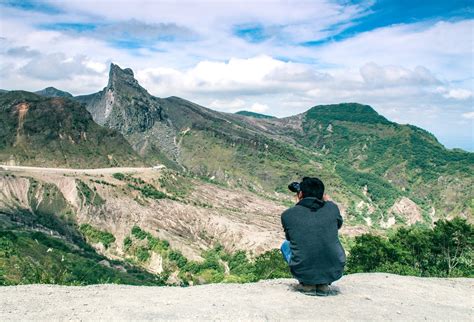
x: 312, y: 247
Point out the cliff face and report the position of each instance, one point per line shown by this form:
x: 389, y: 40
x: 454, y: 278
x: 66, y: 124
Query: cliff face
x: 123, y: 104
x: 127, y: 107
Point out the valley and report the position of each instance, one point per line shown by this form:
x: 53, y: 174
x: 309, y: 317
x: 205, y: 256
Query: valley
x: 165, y: 191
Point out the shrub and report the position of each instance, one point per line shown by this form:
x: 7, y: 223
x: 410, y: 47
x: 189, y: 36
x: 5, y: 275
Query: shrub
x: 178, y: 258
x: 95, y: 235
x: 271, y: 265
x: 127, y: 243
x: 138, y: 233
x: 445, y: 250
x: 90, y: 196
x: 119, y: 176
x: 142, y: 254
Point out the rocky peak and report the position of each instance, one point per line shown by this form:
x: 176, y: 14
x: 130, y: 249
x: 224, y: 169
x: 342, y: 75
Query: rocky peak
x: 119, y: 77
x: 123, y: 104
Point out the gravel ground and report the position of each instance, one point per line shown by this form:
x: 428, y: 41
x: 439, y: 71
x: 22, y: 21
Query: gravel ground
x: 373, y: 297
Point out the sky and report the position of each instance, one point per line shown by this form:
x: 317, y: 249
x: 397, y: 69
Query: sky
x: 412, y: 61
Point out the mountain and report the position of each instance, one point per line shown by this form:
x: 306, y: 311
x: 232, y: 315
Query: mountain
x: 371, y: 163
x: 53, y: 92
x: 37, y: 130
x: 390, y: 159
x: 253, y: 114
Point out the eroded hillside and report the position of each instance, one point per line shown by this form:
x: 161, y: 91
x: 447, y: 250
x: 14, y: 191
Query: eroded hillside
x: 179, y: 226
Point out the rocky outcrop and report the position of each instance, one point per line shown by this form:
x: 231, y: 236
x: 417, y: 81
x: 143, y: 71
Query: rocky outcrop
x: 365, y: 297
x: 123, y: 104
x: 407, y: 209
x: 126, y: 106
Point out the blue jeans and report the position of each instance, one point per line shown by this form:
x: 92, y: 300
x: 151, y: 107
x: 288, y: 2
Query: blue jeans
x: 286, y: 251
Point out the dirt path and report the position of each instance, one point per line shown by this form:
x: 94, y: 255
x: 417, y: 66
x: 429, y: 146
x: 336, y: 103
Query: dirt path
x: 374, y: 297
x: 72, y: 171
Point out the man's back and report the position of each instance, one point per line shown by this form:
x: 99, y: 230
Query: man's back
x: 312, y: 230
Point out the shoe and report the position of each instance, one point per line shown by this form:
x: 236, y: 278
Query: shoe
x: 304, y: 288
x: 323, y: 290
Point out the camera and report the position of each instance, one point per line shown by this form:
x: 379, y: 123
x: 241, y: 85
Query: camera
x: 294, y: 187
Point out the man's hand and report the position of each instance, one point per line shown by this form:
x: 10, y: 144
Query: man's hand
x: 326, y: 197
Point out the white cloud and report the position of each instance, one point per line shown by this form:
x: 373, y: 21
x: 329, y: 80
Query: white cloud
x: 376, y: 75
x: 253, y: 76
x: 259, y: 108
x: 458, y: 94
x: 468, y: 115
x: 445, y: 48
x: 228, y: 105
x: 58, y: 66
x: 237, y: 104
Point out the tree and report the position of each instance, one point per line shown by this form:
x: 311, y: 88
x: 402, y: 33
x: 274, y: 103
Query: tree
x: 453, y: 244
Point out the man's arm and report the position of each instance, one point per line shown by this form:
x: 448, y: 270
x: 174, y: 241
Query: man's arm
x: 339, y: 218
x: 287, y: 237
x: 338, y: 214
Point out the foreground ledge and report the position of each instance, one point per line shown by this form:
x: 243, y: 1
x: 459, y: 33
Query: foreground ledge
x: 375, y: 296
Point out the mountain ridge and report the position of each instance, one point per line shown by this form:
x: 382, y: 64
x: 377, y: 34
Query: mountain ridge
x: 349, y: 145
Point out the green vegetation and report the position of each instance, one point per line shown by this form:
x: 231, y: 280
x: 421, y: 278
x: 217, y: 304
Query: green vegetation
x: 212, y: 269
x: 34, y: 257
x: 103, y: 182
x: 146, y: 189
x: 379, y: 190
x: 255, y: 115
x: 347, y: 112
x: 58, y: 132
x: 149, y: 191
x: 176, y: 184
x: 141, y: 243
x: 94, y: 235
x: 91, y: 197
x: 139, y: 234
x: 447, y: 250
x: 119, y: 176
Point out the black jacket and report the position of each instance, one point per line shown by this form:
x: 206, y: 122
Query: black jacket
x: 311, y: 227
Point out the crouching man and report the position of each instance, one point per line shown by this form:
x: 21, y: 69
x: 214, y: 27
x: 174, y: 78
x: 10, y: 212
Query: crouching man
x: 312, y: 248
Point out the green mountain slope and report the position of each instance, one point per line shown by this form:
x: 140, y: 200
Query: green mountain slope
x: 53, y: 92
x: 36, y: 130
x: 406, y: 160
x: 255, y: 115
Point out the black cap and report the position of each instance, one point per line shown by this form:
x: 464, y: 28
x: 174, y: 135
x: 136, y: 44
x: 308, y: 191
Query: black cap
x: 294, y: 187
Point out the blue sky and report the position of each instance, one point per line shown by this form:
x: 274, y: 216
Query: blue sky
x: 411, y: 60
